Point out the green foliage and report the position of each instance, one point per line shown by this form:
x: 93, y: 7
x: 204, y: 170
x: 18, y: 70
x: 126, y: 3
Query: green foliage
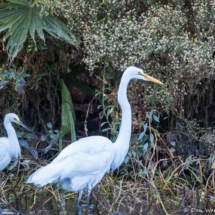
x: 192, y: 127
x: 67, y: 116
x: 21, y: 17
x: 147, y: 141
x: 72, y: 80
x: 108, y: 110
x: 33, y: 151
x: 52, y: 133
x: 12, y: 75
x: 171, y: 40
x: 23, y: 142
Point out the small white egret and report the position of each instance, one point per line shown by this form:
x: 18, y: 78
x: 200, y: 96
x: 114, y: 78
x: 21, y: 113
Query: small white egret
x: 82, y: 164
x: 9, y: 146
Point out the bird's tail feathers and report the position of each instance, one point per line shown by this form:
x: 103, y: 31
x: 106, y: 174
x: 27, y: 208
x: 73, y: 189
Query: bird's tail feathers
x: 44, y: 175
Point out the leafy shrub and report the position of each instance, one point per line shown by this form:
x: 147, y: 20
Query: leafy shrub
x: 172, y: 41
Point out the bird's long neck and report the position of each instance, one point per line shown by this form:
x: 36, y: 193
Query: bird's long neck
x: 121, y: 145
x: 12, y: 139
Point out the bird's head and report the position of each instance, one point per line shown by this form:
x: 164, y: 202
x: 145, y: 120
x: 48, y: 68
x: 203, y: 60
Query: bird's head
x: 12, y: 117
x: 137, y: 73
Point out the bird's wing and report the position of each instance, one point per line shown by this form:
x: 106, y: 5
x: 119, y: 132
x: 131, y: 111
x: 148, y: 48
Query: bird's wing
x: 5, y: 157
x: 89, y: 145
x: 3, y: 148
x: 84, y: 164
x: 75, y: 165
x: 88, y: 156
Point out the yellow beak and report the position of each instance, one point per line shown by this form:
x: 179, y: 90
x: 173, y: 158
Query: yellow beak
x: 150, y: 78
x: 24, y: 126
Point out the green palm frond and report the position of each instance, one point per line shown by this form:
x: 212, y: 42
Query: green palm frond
x: 20, y: 17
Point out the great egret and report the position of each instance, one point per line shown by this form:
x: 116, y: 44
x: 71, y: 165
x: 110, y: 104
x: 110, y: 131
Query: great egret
x: 9, y: 146
x: 82, y: 164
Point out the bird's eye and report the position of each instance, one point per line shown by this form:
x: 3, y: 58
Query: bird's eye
x: 16, y: 120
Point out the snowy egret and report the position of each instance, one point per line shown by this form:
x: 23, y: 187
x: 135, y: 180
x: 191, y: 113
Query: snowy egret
x: 9, y: 146
x: 82, y: 164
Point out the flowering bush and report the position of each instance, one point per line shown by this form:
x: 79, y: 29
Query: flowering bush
x: 174, y: 42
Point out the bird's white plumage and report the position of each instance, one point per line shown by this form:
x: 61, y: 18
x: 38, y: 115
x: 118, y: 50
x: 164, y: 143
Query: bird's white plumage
x: 82, y: 164
x: 5, y: 156
x: 9, y: 146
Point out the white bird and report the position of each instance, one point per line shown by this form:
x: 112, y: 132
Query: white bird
x: 9, y: 146
x: 81, y: 165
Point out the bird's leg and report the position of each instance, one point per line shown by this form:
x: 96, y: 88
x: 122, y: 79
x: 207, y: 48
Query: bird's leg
x: 79, y: 198
x: 88, y: 197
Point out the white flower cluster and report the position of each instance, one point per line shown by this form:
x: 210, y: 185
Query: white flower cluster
x: 173, y: 42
